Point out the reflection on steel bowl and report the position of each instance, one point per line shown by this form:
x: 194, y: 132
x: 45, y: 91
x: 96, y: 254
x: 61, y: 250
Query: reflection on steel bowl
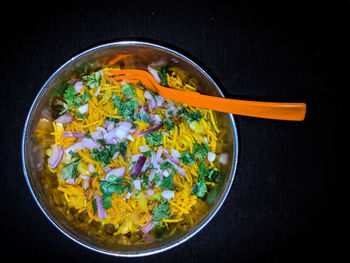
x: 118, y: 168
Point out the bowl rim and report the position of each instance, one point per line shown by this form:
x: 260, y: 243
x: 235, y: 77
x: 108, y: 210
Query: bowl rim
x: 205, y: 220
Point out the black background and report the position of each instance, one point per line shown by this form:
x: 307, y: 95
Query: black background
x: 285, y: 204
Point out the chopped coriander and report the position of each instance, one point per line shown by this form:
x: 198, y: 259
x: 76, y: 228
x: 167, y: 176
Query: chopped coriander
x: 115, y: 120
x: 200, y: 188
x: 169, y: 124
x: 145, y: 182
x: 156, y: 179
x: 167, y: 182
x: 147, y: 154
x: 79, y: 115
x: 154, y: 138
x: 193, y: 116
x: 74, y: 155
x: 142, y: 116
x: 94, y: 206
x: 200, y: 151
x: 187, y: 158
x: 166, y: 165
x: 105, y: 155
x: 112, y: 185
x: 128, y: 89
x: 70, y: 171
x: 87, y: 135
x: 163, y: 77
x: 160, y: 212
x: 93, y: 80
x: 125, y: 109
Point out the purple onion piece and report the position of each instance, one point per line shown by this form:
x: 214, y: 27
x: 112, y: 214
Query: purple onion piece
x: 65, y: 118
x: 73, y: 134
x: 154, y: 128
x: 137, y: 168
x: 56, y: 156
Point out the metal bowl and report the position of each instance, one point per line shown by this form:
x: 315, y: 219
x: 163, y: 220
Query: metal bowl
x: 132, y: 54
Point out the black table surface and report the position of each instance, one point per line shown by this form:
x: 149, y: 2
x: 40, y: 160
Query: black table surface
x: 285, y: 203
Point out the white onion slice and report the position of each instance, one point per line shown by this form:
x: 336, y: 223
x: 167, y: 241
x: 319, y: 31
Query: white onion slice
x: 56, y: 156
x: 144, y: 148
x: 118, y: 172
x: 65, y: 118
x: 151, y: 100
x: 211, y: 156
x: 101, y: 211
x: 78, y: 86
x: 223, y: 158
x: 154, y: 73
x: 167, y: 194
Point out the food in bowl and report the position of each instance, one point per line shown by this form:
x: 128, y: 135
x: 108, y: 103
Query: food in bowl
x: 125, y: 163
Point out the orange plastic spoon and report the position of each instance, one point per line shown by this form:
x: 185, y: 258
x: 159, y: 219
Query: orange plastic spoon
x: 261, y: 109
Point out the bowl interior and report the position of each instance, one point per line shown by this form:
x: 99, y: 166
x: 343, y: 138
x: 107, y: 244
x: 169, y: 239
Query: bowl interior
x: 128, y: 55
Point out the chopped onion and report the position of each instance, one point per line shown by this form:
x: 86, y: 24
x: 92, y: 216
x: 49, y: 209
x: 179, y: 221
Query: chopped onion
x: 70, y: 181
x: 120, y: 131
x: 101, y: 211
x: 118, y: 172
x: 147, y: 227
x: 90, y: 144
x: 223, y: 158
x: 84, y: 108
x: 91, y: 167
x: 167, y: 194
x: 137, y: 168
x: 56, y: 156
x: 154, y: 74
x: 86, y: 184
x: 154, y: 128
x: 151, y: 100
x: 73, y: 134
x: 211, y: 156
x: 115, y: 155
x: 100, y: 129
x: 149, y: 192
x: 175, y: 153
x: 78, y: 86
x: 171, y: 159
x: 96, y: 135
x: 108, y: 125
x: 144, y: 148
x: 107, y: 169
x: 65, y: 118
x: 97, y: 91
x: 159, y: 153
x: 159, y: 100
x: 84, y: 177
x: 135, y: 157
x: 137, y: 184
x: 74, y: 148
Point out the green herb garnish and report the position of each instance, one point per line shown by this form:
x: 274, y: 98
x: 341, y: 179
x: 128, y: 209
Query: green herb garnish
x: 200, y: 151
x: 70, y: 171
x: 93, y: 80
x: 105, y: 155
x: 128, y: 89
x: 162, y: 211
x: 112, y: 185
x: 169, y: 124
x: 187, y: 158
x: 154, y: 138
x: 125, y: 109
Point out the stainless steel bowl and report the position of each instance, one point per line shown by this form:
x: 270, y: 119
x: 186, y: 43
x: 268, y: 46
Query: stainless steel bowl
x: 133, y: 54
